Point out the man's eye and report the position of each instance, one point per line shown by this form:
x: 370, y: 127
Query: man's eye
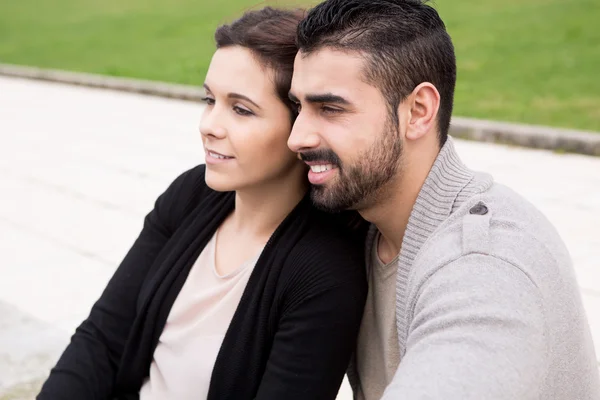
x: 330, y: 110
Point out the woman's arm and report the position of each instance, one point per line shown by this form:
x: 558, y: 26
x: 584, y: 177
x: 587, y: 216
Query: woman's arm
x: 319, y: 326
x: 88, y: 366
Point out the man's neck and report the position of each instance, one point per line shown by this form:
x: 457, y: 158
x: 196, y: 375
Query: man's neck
x: 391, y: 212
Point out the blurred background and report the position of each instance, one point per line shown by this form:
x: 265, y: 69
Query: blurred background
x: 530, y: 61
x: 80, y: 167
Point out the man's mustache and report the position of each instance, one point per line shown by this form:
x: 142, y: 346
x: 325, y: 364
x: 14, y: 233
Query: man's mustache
x: 325, y: 155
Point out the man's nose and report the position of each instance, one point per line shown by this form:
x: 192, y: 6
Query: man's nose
x: 304, y: 135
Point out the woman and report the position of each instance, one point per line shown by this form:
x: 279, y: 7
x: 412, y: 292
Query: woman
x: 237, y: 288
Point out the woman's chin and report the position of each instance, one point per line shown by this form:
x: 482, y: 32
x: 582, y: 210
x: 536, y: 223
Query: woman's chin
x: 219, y: 183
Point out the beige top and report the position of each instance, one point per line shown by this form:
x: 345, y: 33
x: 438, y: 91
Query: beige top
x: 188, y: 346
x: 378, y: 354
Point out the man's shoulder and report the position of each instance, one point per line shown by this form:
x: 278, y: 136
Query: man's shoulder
x: 511, y: 223
x: 497, y: 222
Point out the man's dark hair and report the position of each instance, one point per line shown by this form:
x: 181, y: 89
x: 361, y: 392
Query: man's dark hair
x: 404, y: 43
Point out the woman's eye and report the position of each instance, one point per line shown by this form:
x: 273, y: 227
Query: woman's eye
x: 242, y: 111
x: 209, y: 101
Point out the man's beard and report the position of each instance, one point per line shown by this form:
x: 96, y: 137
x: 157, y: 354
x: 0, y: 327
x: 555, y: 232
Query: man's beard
x: 360, y: 184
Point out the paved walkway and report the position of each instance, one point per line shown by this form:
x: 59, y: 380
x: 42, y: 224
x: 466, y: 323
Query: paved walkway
x: 79, y: 168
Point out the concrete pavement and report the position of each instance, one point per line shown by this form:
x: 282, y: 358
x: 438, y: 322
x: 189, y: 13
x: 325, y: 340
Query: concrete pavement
x: 80, y: 167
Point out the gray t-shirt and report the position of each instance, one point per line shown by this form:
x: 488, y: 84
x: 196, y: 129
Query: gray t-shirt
x: 378, y: 354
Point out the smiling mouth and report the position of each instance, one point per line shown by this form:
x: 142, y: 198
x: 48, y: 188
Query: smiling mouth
x: 217, y: 155
x: 320, y: 168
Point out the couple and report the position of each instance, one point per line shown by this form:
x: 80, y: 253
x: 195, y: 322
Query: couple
x: 248, y: 279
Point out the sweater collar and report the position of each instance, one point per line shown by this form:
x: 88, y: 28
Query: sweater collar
x: 439, y: 196
x: 448, y: 184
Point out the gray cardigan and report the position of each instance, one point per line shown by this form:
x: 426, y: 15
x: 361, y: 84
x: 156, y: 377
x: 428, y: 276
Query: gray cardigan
x: 487, y: 303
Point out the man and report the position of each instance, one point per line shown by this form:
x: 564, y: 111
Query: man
x: 472, y: 292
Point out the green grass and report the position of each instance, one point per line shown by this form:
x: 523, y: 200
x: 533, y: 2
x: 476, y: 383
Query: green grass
x: 533, y: 61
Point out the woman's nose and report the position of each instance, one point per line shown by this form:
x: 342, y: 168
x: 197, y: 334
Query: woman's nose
x: 211, y: 124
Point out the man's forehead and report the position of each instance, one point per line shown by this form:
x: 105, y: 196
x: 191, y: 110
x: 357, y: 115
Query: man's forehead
x: 327, y: 70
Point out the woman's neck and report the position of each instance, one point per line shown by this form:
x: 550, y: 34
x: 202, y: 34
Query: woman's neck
x: 259, y: 210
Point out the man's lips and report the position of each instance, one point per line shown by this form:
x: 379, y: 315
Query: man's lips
x: 309, y: 163
x: 319, y: 162
x: 319, y: 174
x: 320, y: 171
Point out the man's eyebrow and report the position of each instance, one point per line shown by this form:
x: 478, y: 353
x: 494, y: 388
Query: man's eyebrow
x: 327, y: 98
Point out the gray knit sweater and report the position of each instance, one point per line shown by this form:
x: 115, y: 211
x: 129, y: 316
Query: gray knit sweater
x: 487, y: 302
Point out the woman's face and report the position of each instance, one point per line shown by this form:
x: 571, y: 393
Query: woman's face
x: 245, y: 126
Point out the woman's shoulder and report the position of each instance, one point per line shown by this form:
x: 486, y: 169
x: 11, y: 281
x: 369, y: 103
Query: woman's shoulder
x: 340, y: 230
x: 190, y: 181
x: 328, y: 257
x: 332, y: 244
x: 182, y: 195
x: 186, y: 186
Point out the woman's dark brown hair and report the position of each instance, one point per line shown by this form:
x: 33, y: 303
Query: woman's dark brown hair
x: 271, y: 36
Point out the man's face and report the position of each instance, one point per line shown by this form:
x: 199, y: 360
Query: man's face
x: 344, y: 131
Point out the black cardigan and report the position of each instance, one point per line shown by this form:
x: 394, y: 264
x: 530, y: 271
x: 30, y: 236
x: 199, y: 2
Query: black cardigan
x: 291, y: 336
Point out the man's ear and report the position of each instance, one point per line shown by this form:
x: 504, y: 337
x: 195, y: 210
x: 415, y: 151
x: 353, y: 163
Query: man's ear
x: 424, y: 103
